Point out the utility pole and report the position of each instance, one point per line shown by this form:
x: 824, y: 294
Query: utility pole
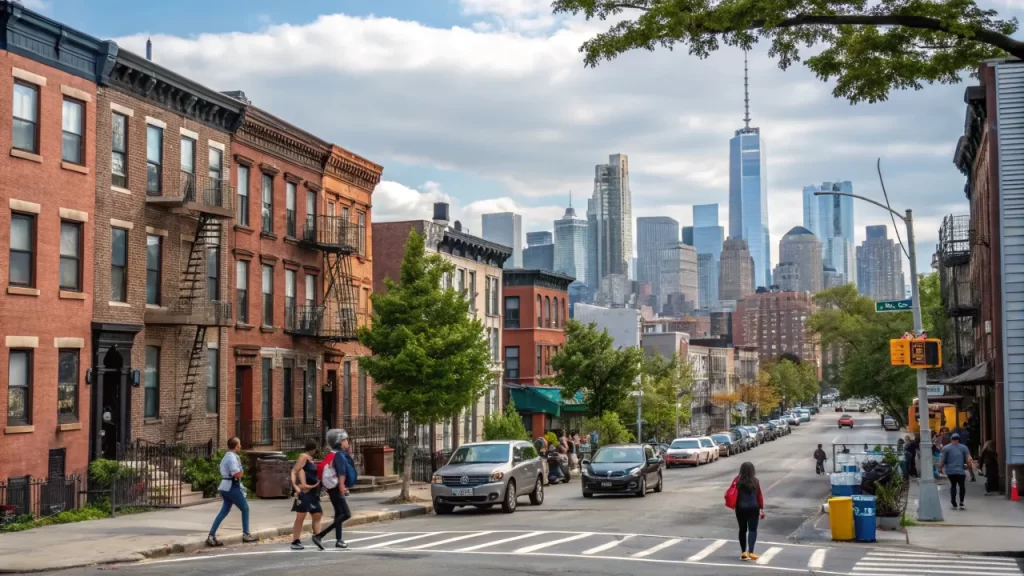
x: 928, y: 508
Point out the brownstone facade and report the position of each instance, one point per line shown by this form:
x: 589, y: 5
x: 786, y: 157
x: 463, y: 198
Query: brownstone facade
x: 776, y: 323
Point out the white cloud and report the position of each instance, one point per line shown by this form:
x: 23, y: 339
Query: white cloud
x: 520, y: 15
x: 395, y: 201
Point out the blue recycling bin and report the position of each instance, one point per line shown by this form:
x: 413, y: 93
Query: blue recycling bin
x: 864, y: 518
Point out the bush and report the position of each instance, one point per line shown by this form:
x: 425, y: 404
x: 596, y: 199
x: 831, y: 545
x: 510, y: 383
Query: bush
x: 609, y: 429
x: 102, y: 473
x: 505, y: 426
x: 552, y: 439
x: 204, y: 474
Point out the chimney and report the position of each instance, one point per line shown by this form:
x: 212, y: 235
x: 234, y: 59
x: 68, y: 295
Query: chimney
x: 441, y: 213
x: 458, y: 226
x: 149, y: 49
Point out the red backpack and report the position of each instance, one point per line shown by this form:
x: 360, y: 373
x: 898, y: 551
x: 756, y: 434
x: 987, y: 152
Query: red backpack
x: 327, y: 461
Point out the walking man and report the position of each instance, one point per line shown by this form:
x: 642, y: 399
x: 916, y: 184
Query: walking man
x: 955, y: 461
x: 337, y: 489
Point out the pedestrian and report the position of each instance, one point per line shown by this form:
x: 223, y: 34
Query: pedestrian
x: 344, y: 475
x: 749, y: 509
x: 820, y: 457
x: 307, y: 493
x: 232, y: 493
x: 989, y: 459
x: 955, y: 459
x: 910, y: 454
x: 964, y: 441
x: 574, y: 448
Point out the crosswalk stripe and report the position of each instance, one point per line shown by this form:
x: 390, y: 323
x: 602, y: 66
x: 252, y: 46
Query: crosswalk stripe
x: 768, y: 555
x: 710, y: 549
x: 496, y: 542
x: 930, y: 565
x: 605, y: 546
x: 922, y: 554
x: 381, y: 535
x: 541, y: 546
x: 982, y: 561
x: 400, y: 540
x: 959, y: 571
x: 450, y: 540
x: 817, y: 561
x: 659, y: 547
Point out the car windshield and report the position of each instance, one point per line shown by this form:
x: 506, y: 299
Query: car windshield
x: 721, y: 438
x: 613, y: 455
x: 481, y: 454
x: 845, y: 416
x: 683, y: 444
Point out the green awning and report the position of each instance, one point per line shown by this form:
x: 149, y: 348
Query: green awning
x: 545, y: 400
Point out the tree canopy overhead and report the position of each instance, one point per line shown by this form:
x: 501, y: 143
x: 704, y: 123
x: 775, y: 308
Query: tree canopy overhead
x: 870, y: 48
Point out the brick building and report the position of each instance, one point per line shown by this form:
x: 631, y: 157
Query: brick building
x: 48, y: 218
x: 776, y: 324
x: 161, y: 306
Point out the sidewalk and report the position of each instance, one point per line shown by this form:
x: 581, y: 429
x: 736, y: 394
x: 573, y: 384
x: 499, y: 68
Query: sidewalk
x: 160, y: 532
x: 991, y: 524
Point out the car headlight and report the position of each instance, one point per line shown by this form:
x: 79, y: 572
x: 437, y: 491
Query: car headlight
x: 495, y: 476
x: 636, y: 471
x: 437, y: 480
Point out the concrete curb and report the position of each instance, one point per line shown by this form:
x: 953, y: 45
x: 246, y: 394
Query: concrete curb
x: 200, y: 544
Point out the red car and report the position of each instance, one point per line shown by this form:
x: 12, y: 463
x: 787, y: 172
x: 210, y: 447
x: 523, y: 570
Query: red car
x: 839, y: 407
x: 846, y: 420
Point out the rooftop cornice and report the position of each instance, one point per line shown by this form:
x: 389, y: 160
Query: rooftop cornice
x: 353, y: 168
x: 32, y: 35
x: 274, y: 136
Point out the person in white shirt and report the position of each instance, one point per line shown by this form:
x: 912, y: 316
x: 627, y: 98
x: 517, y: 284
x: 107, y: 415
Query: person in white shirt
x: 232, y: 492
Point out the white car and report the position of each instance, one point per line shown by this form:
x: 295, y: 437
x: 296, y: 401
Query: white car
x: 687, y: 451
x: 708, y: 444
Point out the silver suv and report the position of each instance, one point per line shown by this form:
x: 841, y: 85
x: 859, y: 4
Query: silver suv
x: 483, y: 474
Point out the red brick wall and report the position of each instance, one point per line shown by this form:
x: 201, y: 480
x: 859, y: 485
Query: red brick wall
x: 41, y: 184
x: 530, y: 335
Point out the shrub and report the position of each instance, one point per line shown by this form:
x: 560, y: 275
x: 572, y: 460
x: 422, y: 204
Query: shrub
x: 507, y: 425
x: 609, y: 429
x: 204, y: 474
x: 552, y: 438
x: 102, y: 473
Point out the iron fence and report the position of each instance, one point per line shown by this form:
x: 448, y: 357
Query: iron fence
x: 364, y: 431
x: 39, y: 497
x: 253, y: 433
x: 335, y: 232
x: 292, y: 433
x: 150, y: 475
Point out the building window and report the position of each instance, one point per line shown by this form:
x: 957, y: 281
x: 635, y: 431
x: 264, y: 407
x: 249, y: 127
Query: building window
x: 242, y: 287
x: 289, y: 209
x: 267, y: 213
x: 268, y: 295
x: 494, y: 295
x: 23, y: 240
x: 512, y: 312
x: 67, y: 386
x: 243, y: 195
x: 547, y: 304
x: 361, y: 223
x: 71, y: 256
x: 540, y: 312
x: 19, y: 388
x: 346, y: 391
x: 215, y: 157
x: 472, y: 291
x: 512, y: 362
x: 26, y: 117
x: 289, y: 392
x: 72, y: 145
x: 460, y: 281
x: 154, y: 159
x: 289, y: 298
x: 152, y: 385
x: 540, y: 360
x: 364, y: 400
x: 310, y: 291
x: 154, y: 261
x: 556, y: 312
x: 118, y: 265
x: 213, y: 272
x: 119, y: 150
x: 495, y: 351
x: 212, y: 380
x: 310, y: 212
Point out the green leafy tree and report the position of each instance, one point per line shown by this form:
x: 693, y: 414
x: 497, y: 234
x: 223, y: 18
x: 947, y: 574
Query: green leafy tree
x: 506, y: 425
x: 430, y: 358
x: 665, y: 383
x: 871, y: 48
x: 793, y: 383
x: 590, y: 364
x: 609, y: 429
x: 850, y: 321
x: 933, y: 313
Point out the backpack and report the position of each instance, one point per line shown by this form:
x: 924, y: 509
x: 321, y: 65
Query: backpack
x: 326, y: 473
x: 350, y: 471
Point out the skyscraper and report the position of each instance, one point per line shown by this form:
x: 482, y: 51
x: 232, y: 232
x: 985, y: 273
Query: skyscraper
x: 707, y: 239
x: 748, y: 192
x: 539, y: 253
x: 830, y: 218
x: 610, y: 221
x: 801, y: 248
x: 736, y: 273
x: 538, y: 238
x: 880, y: 266
x: 506, y: 228
x: 571, y: 246
x: 652, y: 234
x: 678, y: 274
x: 688, y: 235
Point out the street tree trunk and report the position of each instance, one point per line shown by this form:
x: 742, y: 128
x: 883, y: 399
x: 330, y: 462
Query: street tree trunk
x: 406, y: 470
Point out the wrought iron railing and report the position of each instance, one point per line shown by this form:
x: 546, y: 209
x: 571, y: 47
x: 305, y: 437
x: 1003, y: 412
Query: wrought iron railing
x: 303, y: 320
x: 39, y: 497
x: 292, y: 433
x: 151, y: 474
x: 205, y: 191
x: 256, y: 433
x: 333, y: 232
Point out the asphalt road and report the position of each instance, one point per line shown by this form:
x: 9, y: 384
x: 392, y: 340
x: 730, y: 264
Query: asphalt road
x: 684, y: 528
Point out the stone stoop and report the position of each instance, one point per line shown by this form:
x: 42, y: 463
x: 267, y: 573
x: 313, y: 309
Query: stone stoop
x: 378, y: 484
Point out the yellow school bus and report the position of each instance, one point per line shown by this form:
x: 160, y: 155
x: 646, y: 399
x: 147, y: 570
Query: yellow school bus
x: 940, y: 415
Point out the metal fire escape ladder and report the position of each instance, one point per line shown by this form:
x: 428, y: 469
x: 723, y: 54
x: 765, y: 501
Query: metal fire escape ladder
x: 340, y: 298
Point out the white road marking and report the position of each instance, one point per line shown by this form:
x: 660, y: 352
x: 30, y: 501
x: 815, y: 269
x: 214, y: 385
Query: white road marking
x: 707, y: 551
x: 380, y: 535
x: 913, y: 559
x: 768, y: 555
x: 606, y: 546
x: 817, y: 560
x: 658, y: 548
x: 455, y: 539
x: 938, y: 569
x: 932, y: 567
x: 535, y: 547
x: 399, y: 541
x: 496, y: 542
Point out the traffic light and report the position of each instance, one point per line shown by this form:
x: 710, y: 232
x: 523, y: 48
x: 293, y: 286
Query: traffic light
x: 918, y: 354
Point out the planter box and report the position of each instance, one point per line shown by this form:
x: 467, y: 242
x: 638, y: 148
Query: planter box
x: 378, y: 460
x: 888, y: 522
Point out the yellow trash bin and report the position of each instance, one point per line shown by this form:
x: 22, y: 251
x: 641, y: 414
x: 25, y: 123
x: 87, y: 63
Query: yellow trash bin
x: 840, y: 513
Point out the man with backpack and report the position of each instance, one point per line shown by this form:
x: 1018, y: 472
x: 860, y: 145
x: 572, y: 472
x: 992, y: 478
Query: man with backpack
x: 337, y: 475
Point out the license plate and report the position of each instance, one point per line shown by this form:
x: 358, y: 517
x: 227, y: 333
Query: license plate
x: 606, y: 484
x: 462, y: 492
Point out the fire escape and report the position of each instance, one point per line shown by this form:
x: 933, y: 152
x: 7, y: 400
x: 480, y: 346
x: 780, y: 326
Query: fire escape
x: 959, y: 298
x: 334, y: 318
x: 207, y: 202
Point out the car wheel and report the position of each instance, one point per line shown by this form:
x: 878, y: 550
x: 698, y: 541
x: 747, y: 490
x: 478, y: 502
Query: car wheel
x: 508, y: 505
x: 643, y: 487
x: 443, y: 509
x: 660, y: 485
x: 537, y: 496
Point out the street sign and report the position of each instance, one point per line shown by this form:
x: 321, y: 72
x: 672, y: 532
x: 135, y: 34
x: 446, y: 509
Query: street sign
x: 894, y: 305
x: 936, y: 390
x: 918, y: 354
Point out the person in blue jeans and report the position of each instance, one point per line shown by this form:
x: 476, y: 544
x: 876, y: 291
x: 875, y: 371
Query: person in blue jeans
x: 345, y: 469
x: 232, y: 492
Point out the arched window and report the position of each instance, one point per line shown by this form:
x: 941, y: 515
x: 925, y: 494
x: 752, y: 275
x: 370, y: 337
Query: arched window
x: 540, y: 312
x: 556, y: 312
x: 547, y: 302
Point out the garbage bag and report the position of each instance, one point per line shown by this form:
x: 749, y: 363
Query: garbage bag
x: 880, y: 473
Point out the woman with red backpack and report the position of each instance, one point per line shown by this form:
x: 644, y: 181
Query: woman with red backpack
x: 744, y: 496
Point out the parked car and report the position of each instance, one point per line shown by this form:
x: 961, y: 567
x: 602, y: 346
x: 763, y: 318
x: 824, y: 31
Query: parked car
x: 839, y: 407
x: 684, y: 451
x: 622, y: 468
x: 726, y: 446
x: 757, y: 435
x: 710, y: 447
x: 783, y: 426
x: 773, y: 430
x: 846, y: 421
x: 483, y: 474
x: 749, y: 441
x: 803, y: 414
x: 792, y: 419
x: 814, y: 410
x: 740, y: 439
x: 889, y: 423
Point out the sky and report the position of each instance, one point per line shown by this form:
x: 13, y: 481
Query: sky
x: 487, y: 104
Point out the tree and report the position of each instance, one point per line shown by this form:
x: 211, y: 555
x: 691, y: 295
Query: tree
x: 430, y: 358
x: 933, y: 313
x: 506, y: 425
x: 849, y: 320
x: 588, y: 363
x: 870, y: 48
x: 665, y: 383
x: 792, y: 382
x: 608, y: 427
x: 760, y: 395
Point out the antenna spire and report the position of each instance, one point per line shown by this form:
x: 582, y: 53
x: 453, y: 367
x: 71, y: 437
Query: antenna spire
x: 570, y: 198
x: 746, y: 93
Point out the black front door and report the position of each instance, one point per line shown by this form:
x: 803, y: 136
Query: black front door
x: 329, y: 399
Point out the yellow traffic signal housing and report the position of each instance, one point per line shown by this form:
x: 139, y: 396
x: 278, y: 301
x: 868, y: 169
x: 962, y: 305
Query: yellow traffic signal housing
x: 899, y: 352
x: 918, y: 354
